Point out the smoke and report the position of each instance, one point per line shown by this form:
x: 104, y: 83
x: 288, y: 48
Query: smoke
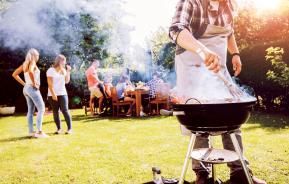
x: 146, y: 18
x: 204, y: 87
x: 20, y: 27
x: 49, y: 25
x: 66, y: 26
x: 56, y: 26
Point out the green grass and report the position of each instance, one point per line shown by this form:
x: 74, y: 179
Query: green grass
x: 103, y: 150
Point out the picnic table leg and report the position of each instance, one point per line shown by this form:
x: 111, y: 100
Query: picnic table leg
x: 138, y: 102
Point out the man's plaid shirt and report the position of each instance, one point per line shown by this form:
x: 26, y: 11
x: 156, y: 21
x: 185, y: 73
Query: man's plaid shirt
x: 190, y: 15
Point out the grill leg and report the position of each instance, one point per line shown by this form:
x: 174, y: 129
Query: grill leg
x: 214, y: 172
x: 239, y: 152
x: 187, y: 159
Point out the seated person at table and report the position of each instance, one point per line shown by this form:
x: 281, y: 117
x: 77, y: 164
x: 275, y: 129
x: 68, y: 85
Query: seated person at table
x: 121, y: 88
x: 108, y: 84
x: 95, y: 86
x: 126, y: 72
x: 153, y: 84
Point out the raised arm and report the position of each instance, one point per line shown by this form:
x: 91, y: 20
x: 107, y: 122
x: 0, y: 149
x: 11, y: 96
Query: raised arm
x: 95, y: 74
x: 181, y: 34
x: 67, y: 74
x: 16, y: 74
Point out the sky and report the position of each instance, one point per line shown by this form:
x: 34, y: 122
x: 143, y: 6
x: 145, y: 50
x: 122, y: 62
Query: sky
x: 146, y: 16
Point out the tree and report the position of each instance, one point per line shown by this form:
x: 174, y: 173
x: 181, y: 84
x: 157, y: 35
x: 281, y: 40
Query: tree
x: 80, y: 33
x: 3, y: 4
x: 280, y: 70
x: 163, y: 50
x: 254, y: 28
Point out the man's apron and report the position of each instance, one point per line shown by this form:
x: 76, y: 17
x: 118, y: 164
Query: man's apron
x: 194, y: 80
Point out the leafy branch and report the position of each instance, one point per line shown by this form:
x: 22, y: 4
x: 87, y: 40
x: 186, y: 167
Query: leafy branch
x: 280, y: 69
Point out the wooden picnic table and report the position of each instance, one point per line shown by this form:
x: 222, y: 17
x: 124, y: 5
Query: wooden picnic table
x: 138, y: 100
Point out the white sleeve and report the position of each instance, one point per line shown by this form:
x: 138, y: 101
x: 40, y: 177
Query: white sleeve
x: 50, y: 72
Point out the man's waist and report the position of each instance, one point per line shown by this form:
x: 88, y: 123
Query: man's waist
x: 93, y: 87
x: 92, y: 84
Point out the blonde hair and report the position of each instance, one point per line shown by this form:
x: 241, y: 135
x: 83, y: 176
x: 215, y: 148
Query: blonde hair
x: 30, y: 57
x: 58, y: 59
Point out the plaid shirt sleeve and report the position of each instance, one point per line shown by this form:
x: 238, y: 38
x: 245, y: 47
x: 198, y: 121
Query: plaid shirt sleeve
x: 181, y: 19
x: 152, y: 85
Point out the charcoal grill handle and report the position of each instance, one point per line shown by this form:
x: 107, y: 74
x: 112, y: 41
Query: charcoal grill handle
x: 193, y: 99
x: 178, y: 113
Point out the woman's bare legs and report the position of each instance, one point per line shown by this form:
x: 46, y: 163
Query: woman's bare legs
x: 129, y: 99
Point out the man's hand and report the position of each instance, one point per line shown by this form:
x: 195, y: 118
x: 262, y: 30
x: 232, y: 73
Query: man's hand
x: 212, y: 61
x: 237, y: 65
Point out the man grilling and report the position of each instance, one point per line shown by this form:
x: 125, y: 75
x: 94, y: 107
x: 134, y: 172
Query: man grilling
x: 203, y: 32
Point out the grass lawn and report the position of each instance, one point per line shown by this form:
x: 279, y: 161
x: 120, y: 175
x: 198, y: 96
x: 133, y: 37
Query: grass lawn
x: 106, y: 150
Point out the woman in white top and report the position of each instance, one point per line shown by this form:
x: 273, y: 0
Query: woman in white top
x: 57, y: 76
x: 31, y: 91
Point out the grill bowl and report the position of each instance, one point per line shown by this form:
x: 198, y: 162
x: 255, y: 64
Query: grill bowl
x: 213, y: 117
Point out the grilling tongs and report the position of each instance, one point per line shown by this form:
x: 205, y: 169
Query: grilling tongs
x: 233, y: 88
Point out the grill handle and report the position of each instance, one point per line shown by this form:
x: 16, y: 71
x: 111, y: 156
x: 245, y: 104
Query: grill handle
x: 178, y: 113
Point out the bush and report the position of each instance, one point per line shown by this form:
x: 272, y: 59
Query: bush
x: 272, y: 96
